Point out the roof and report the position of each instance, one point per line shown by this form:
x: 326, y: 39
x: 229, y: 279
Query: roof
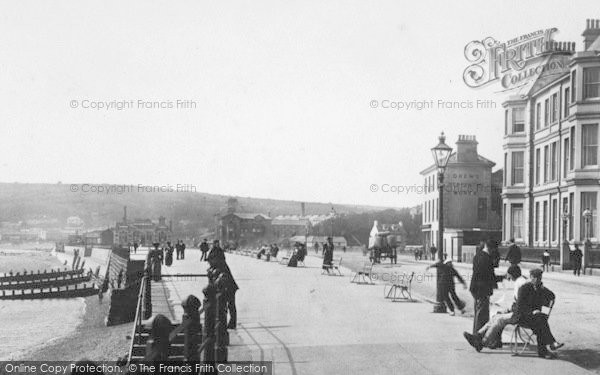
x: 452, y: 160
x: 295, y: 222
x: 248, y: 216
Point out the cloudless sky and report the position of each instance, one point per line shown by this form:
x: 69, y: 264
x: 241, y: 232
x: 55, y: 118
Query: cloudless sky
x: 282, y: 91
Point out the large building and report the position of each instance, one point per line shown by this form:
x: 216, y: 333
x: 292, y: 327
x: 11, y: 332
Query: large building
x: 551, y: 151
x: 143, y: 231
x: 471, y: 200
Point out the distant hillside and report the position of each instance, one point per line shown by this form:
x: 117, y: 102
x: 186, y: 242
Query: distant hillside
x: 188, y: 211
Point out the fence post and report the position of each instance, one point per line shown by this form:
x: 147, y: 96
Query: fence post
x: 209, y: 323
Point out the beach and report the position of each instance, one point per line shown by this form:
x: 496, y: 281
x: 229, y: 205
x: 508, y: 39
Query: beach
x: 55, y: 329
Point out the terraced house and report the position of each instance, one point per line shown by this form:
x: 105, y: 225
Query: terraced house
x: 551, y: 157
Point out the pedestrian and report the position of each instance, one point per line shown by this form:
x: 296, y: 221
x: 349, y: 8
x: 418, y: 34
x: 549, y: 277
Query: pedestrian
x: 447, y: 273
x: 576, y: 257
x: 219, y: 274
x: 182, y: 246
x: 514, y: 253
x: 120, y: 278
x: 546, y: 261
x: 169, y: 257
x: 100, y: 295
x: 204, y: 250
x: 483, y: 283
x: 156, y: 262
x: 328, y: 254
x: 433, y: 251
x: 135, y: 247
x: 178, y: 250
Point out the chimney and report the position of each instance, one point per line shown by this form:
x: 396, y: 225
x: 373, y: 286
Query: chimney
x: 124, y: 214
x: 591, y: 33
x: 303, y: 209
x: 466, y: 148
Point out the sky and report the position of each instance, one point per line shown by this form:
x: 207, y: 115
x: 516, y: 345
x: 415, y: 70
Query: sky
x: 276, y: 97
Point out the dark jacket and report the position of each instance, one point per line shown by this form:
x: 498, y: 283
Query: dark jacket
x: 204, y: 247
x: 530, y: 299
x: 514, y: 254
x: 447, y: 274
x: 483, y: 281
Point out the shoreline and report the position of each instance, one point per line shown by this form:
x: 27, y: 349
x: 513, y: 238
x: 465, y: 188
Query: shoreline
x: 92, y: 339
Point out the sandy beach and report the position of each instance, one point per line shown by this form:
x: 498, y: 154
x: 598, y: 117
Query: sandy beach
x: 56, y: 329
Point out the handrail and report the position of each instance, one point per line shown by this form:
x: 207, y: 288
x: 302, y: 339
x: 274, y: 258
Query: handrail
x: 138, y: 316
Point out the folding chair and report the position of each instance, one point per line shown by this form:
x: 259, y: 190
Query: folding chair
x: 334, y: 267
x: 523, y: 336
x: 361, y: 277
x: 390, y: 291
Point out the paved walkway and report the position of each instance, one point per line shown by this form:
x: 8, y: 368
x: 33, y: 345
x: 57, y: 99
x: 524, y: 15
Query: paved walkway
x: 307, y: 323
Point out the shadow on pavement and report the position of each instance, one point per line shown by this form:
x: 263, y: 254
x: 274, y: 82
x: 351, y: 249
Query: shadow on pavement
x: 589, y: 359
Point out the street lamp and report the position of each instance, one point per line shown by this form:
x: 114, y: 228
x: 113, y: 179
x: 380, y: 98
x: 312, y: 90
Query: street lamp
x: 441, y: 155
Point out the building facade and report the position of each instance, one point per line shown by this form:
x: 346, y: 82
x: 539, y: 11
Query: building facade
x: 551, y: 158
x: 471, y: 200
x: 143, y: 231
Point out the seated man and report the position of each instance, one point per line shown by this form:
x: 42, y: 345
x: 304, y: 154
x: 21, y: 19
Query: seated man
x: 490, y: 335
x: 528, y: 313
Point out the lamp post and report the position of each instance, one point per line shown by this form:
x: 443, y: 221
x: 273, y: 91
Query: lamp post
x: 441, y: 155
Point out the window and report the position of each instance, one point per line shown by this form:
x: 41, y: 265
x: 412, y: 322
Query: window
x: 504, y: 221
x: 588, y: 201
x: 546, y: 163
x: 516, y: 219
x: 567, y: 98
x: 546, y: 112
x: 517, y: 167
x: 545, y: 222
x: 554, y: 218
x: 482, y: 209
x: 518, y: 120
x: 591, y: 83
x: 554, y: 162
x: 506, y: 122
x: 573, y: 87
x: 566, y: 160
x: 555, y: 107
x: 572, y: 151
x: 537, y: 166
x: 433, y: 212
x: 589, y: 144
x: 536, y: 229
x: 538, y: 115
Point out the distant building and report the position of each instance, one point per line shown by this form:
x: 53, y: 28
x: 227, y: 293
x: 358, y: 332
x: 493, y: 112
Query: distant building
x: 243, y: 228
x: 289, y: 226
x: 143, y: 231
x: 471, y: 200
x: 552, y: 159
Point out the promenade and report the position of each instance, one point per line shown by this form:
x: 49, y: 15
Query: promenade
x: 307, y: 323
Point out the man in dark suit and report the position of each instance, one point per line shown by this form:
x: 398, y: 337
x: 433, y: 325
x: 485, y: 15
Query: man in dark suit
x: 483, y: 283
x: 514, y: 253
x: 528, y: 312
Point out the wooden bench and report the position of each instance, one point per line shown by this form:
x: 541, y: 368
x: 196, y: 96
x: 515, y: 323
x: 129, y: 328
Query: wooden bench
x: 333, y: 267
x: 361, y: 277
x: 390, y: 291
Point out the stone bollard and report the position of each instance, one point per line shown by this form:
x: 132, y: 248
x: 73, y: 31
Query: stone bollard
x: 209, y: 323
x: 222, y: 336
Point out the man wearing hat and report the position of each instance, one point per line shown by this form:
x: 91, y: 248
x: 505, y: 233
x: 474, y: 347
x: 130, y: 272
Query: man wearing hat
x: 220, y: 275
x: 528, y: 313
x: 204, y: 249
x: 483, y: 283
